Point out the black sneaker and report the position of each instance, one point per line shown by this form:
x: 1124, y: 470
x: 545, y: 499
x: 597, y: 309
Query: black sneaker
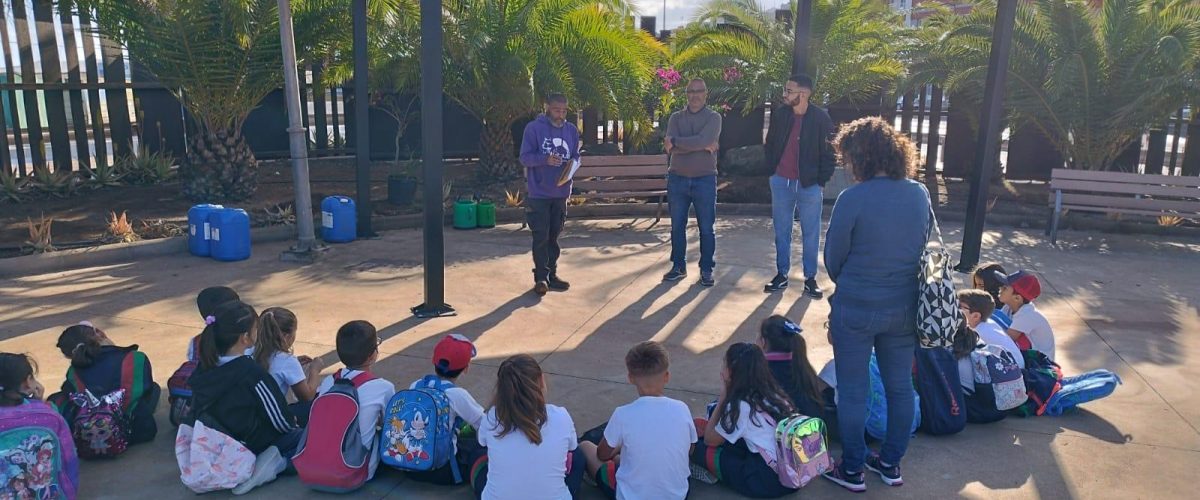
x: 557, y: 284
x: 812, y: 290
x: 541, y: 288
x: 889, y: 475
x: 706, y: 279
x: 779, y: 282
x: 675, y: 275
x: 852, y: 482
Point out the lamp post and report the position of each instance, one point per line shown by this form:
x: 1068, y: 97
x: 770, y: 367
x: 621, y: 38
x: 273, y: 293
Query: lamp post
x: 362, y: 132
x: 989, y: 134
x: 306, y: 246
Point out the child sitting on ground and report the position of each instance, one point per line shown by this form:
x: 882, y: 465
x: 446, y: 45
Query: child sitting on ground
x: 738, y: 445
x: 644, y: 452
x: 977, y: 307
x: 100, y: 367
x: 41, y: 461
x: 532, y: 452
x: 358, y: 349
x: 273, y: 352
x: 787, y: 357
x: 237, y: 396
x: 983, y: 277
x: 452, y: 359
x: 207, y: 301
x: 1029, y: 329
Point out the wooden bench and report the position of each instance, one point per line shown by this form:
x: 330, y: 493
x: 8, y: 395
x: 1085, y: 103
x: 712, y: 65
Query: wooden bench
x: 637, y: 176
x: 1121, y: 193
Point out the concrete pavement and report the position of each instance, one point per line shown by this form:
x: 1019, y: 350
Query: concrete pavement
x: 1128, y: 303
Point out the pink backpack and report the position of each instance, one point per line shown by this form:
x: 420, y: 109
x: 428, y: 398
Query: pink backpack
x: 802, y: 451
x: 37, y: 453
x: 331, y: 454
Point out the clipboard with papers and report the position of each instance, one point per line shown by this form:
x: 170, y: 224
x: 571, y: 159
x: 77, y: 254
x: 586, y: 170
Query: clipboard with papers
x: 569, y: 172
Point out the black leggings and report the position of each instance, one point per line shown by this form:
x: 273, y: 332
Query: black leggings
x: 742, y: 470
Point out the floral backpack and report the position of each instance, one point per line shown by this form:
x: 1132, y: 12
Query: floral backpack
x: 37, y: 454
x: 100, y: 424
x: 802, y: 450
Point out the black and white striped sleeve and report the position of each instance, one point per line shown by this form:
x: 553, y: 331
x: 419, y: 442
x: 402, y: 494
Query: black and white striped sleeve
x: 274, y: 406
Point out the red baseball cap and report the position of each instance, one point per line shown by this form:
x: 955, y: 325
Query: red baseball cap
x: 453, y: 352
x: 1024, y: 283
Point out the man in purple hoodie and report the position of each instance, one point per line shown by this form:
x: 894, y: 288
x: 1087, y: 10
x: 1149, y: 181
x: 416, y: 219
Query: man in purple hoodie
x: 550, y: 144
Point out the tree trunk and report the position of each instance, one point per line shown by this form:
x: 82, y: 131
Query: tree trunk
x: 496, y: 160
x: 220, y: 166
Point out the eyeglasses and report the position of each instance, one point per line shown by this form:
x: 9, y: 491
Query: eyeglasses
x: 799, y: 91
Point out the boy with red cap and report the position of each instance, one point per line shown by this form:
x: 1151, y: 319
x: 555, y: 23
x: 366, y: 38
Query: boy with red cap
x: 1029, y: 329
x: 451, y: 359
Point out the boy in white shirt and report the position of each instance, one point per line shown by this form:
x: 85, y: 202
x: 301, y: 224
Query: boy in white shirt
x: 358, y: 349
x: 646, y: 444
x: 1029, y: 329
x: 977, y: 305
x: 451, y: 359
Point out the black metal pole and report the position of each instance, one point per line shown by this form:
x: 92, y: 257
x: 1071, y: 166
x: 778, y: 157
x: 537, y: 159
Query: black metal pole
x: 989, y: 134
x: 803, y: 29
x: 431, y: 149
x: 362, y: 132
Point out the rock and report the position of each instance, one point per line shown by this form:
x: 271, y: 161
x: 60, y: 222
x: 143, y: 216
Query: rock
x: 743, y: 161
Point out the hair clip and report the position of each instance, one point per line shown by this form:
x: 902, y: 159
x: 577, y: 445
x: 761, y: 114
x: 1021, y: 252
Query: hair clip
x: 208, y: 320
x: 791, y: 328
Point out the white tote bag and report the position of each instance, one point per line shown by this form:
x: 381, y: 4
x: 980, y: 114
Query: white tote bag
x: 209, y: 460
x: 938, y: 315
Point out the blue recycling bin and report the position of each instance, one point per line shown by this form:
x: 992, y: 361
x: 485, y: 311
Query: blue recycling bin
x: 339, y: 219
x: 230, y: 234
x: 198, y: 228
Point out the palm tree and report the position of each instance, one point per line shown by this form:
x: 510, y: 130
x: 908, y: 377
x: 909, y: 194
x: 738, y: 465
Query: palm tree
x: 747, y: 54
x: 502, y: 56
x: 1091, y: 79
x: 220, y: 58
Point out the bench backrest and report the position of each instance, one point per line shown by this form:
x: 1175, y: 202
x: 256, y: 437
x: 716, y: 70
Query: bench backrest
x: 627, y: 176
x: 1120, y: 191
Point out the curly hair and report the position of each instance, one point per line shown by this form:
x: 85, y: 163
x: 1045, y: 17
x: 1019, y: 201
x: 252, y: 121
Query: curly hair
x: 869, y: 147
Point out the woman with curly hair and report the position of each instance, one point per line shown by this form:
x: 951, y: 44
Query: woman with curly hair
x: 873, y: 247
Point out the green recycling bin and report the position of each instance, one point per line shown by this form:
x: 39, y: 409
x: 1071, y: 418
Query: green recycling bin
x: 485, y: 214
x: 464, y: 214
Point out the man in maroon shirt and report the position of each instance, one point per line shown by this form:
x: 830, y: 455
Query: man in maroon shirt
x: 801, y: 160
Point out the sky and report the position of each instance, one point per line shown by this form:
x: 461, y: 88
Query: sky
x: 680, y: 11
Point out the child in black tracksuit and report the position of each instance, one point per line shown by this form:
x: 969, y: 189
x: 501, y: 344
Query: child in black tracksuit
x: 234, y: 395
x: 100, y: 367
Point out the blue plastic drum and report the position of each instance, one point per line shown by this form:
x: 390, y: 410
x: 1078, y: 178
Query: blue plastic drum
x: 198, y: 228
x: 339, y: 219
x: 230, y: 234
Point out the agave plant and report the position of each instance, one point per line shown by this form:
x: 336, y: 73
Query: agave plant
x: 1092, y: 79
x: 104, y: 175
x: 12, y: 188
x: 57, y: 183
x: 119, y: 229
x: 746, y: 55
x: 144, y: 167
x: 504, y: 56
x: 40, y: 237
x: 220, y: 58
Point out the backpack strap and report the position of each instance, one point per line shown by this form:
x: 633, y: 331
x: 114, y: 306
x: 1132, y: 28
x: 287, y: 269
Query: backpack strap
x: 358, y: 380
x: 73, y: 376
x: 133, y: 378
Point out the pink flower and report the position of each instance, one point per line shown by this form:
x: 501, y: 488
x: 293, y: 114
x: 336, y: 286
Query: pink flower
x: 732, y: 73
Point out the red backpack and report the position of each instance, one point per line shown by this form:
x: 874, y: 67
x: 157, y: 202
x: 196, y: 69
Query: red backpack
x: 331, y: 456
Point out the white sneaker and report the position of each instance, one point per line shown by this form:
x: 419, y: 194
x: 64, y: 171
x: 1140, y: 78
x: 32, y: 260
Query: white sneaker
x: 267, y: 466
x: 701, y: 474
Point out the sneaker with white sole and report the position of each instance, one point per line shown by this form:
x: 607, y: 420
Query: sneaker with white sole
x: 889, y: 474
x: 852, y: 482
x: 267, y: 466
x: 701, y: 474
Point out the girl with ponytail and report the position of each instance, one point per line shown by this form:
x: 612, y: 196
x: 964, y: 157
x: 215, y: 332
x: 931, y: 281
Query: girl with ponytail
x: 273, y: 353
x: 101, y: 367
x: 37, y: 431
x: 233, y: 393
x: 531, y: 446
x: 787, y: 357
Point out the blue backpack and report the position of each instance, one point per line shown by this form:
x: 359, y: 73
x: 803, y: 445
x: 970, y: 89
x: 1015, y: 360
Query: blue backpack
x: 941, y: 395
x: 877, y: 405
x: 418, y: 431
x: 1080, y: 389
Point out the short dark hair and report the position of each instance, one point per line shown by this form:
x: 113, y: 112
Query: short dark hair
x: 977, y: 301
x: 442, y: 372
x: 213, y: 296
x: 870, y: 146
x: 556, y: 98
x: 647, y: 358
x: 356, y: 342
x: 802, y: 80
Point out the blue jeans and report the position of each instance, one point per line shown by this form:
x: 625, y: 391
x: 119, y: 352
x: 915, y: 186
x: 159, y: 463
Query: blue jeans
x: 891, y: 333
x: 682, y: 194
x: 788, y: 198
